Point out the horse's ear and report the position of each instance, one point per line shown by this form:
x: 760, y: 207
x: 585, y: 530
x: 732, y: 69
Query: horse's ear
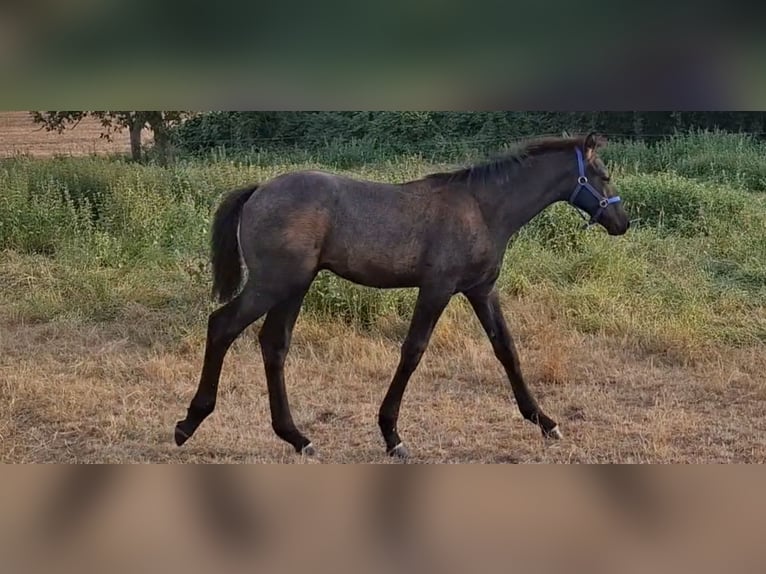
x: 593, y: 141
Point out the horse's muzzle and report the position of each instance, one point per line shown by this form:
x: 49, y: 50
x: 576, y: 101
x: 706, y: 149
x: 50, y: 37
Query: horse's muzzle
x: 618, y: 229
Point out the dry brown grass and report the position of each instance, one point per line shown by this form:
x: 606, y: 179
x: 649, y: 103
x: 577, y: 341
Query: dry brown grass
x: 20, y: 135
x: 74, y: 393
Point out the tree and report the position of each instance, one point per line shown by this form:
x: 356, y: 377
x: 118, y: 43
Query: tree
x: 160, y: 122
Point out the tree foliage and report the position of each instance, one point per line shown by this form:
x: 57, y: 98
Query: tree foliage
x: 386, y: 132
x: 428, y: 132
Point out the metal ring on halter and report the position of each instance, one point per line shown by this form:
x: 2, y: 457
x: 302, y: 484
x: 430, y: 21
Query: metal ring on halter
x: 582, y: 180
x: 604, y: 202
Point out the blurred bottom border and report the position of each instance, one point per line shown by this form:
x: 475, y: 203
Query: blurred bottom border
x: 362, y: 518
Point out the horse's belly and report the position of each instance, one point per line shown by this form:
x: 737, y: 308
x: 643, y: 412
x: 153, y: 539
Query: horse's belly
x: 371, y: 273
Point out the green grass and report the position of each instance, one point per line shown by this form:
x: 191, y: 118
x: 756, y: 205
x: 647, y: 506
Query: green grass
x: 85, y: 239
x: 735, y: 160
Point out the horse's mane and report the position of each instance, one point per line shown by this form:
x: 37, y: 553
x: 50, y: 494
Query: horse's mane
x: 500, y: 166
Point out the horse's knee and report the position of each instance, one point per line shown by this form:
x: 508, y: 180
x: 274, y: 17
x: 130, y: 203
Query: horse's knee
x: 273, y: 352
x: 215, y: 328
x: 220, y: 331
x: 412, y: 353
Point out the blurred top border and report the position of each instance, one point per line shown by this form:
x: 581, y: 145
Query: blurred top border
x: 414, y: 56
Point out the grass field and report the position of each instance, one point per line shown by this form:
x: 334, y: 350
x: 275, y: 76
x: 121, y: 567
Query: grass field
x: 645, y: 348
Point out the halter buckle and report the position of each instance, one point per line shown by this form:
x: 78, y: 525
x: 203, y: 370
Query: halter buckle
x: 582, y: 180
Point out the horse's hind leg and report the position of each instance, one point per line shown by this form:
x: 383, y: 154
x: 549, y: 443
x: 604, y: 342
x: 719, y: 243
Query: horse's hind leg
x: 224, y: 326
x: 275, y: 338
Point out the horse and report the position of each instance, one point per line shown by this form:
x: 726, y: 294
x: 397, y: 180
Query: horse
x: 444, y: 234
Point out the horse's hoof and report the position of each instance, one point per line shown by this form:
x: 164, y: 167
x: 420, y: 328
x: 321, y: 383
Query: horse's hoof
x: 399, y: 451
x: 554, y: 433
x: 308, y: 450
x: 181, y: 436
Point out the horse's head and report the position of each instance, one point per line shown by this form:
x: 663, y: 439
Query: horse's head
x: 594, y: 192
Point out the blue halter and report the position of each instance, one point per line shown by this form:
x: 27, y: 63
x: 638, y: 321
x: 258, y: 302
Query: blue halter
x: 586, y: 202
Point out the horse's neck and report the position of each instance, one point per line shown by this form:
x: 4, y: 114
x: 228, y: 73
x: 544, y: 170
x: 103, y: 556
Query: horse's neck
x: 511, y: 203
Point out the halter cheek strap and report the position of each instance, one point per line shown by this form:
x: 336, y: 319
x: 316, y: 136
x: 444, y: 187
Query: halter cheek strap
x: 583, y: 183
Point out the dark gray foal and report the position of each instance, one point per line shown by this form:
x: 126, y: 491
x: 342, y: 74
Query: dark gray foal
x: 444, y: 234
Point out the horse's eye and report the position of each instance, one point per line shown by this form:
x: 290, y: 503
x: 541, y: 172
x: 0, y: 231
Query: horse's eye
x: 606, y: 178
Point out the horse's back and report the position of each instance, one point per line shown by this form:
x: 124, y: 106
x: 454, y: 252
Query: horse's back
x: 369, y: 232
x: 342, y: 199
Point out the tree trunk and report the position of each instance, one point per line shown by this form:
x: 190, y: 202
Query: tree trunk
x: 161, y: 136
x: 135, y: 139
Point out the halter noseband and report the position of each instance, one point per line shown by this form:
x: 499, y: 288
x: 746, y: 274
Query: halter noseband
x: 582, y: 182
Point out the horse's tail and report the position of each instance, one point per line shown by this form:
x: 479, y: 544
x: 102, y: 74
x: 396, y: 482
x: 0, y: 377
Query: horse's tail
x: 224, y: 244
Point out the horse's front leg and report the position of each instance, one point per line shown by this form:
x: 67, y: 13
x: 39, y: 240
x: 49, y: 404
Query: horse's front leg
x: 428, y: 308
x: 486, y: 305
